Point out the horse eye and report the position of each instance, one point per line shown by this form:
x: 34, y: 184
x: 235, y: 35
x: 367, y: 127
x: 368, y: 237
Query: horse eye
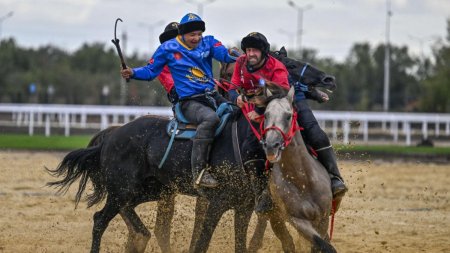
x: 288, y: 117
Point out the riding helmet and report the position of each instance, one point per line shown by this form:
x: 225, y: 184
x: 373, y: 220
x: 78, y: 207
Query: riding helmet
x: 191, y: 22
x: 255, y: 40
x: 170, y: 32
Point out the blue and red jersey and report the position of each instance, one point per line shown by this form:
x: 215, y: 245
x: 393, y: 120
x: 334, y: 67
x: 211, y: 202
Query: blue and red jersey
x: 191, y: 68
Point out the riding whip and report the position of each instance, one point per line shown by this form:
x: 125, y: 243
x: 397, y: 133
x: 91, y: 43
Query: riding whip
x: 116, y: 41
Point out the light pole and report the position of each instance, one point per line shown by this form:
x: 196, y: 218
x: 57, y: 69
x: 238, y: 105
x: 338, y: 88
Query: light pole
x: 387, y: 56
x: 200, y: 5
x: 151, y: 29
x: 300, y: 11
x: 5, y: 17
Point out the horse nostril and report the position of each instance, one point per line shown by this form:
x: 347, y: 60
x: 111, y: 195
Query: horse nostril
x: 330, y: 81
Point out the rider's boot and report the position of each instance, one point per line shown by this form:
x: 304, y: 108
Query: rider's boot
x: 199, y: 162
x: 259, y: 180
x: 328, y: 159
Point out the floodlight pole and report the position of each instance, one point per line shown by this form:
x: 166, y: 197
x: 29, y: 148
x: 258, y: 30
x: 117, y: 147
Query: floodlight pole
x: 300, y: 11
x: 200, y: 5
x: 387, y: 58
x: 5, y: 17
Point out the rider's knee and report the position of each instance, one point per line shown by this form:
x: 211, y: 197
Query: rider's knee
x: 317, y: 138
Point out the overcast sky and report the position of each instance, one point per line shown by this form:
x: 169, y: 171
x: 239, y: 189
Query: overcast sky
x: 330, y: 26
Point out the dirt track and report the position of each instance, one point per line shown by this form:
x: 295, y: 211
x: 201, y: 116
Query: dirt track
x: 391, y: 207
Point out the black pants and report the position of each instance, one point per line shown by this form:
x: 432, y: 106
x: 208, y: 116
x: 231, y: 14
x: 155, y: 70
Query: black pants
x: 312, y: 133
x: 201, y: 111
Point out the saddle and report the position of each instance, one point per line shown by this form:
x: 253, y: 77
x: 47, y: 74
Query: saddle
x: 180, y: 128
x: 183, y: 129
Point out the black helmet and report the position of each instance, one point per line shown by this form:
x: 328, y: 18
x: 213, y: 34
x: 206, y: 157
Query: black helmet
x: 170, y: 32
x: 255, y: 40
x: 191, y: 22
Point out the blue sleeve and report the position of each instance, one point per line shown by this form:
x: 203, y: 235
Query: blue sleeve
x: 152, y: 69
x: 220, y: 52
x: 232, y: 95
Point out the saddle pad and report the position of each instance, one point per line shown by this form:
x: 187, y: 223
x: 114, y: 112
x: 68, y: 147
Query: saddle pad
x: 188, y: 131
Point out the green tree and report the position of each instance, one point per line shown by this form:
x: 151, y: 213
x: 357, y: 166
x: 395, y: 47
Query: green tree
x: 437, y: 85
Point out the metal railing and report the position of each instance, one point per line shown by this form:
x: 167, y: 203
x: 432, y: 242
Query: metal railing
x: 100, y: 117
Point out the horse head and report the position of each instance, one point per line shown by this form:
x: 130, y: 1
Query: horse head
x: 279, y: 125
x: 226, y: 70
x: 305, y: 73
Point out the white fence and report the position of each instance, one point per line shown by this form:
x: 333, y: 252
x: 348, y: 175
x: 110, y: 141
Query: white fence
x: 90, y: 116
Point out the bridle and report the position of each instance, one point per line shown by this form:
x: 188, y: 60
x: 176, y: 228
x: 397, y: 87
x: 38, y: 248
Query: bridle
x: 287, y: 137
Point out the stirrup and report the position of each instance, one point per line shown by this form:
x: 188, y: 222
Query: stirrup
x: 200, y: 181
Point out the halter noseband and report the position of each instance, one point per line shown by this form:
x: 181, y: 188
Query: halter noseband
x: 287, y: 137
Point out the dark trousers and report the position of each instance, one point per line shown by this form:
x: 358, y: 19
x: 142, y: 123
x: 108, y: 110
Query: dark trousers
x: 201, y: 111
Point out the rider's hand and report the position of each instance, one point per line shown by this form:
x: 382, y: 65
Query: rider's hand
x: 254, y: 116
x: 127, y: 73
x: 239, y: 101
x: 234, y: 51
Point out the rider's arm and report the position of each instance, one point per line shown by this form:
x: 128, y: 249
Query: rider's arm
x: 220, y: 52
x: 153, y: 68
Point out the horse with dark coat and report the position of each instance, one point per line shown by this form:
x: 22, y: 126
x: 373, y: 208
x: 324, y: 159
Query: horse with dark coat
x: 123, y: 168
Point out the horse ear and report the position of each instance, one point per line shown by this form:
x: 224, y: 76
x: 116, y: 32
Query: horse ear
x: 268, y: 92
x: 290, y: 95
x: 283, y: 51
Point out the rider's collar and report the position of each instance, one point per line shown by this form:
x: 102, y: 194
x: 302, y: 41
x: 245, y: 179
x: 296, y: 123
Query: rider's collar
x: 251, y: 69
x: 180, y: 40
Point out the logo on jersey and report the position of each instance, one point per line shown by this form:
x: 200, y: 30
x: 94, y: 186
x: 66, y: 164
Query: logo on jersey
x: 197, y: 75
x: 205, y: 54
x: 177, y: 55
x: 151, y: 61
x: 218, y: 44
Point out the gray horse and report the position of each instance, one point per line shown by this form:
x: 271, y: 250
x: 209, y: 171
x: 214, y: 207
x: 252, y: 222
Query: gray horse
x: 299, y: 184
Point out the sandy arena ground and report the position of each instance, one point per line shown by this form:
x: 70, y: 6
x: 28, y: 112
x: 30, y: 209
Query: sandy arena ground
x: 391, y: 207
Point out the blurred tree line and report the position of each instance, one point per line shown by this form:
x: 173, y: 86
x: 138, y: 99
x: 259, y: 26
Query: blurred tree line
x: 90, y: 75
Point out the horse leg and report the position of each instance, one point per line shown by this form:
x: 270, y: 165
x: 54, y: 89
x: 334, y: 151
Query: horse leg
x: 101, y: 221
x: 258, y: 235
x: 322, y: 229
x: 305, y: 228
x: 138, y: 234
x: 213, y: 213
x: 282, y: 233
x: 200, y: 209
x: 164, y: 216
x: 242, y: 217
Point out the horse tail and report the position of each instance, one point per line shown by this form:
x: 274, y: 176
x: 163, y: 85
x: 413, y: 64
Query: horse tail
x: 84, y: 164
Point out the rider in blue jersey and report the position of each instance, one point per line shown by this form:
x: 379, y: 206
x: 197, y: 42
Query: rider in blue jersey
x: 189, y: 57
